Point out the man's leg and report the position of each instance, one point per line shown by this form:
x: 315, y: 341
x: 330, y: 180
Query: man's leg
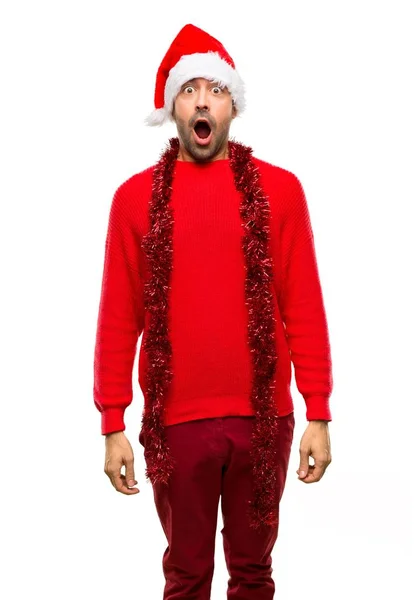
x: 188, y: 508
x: 248, y: 551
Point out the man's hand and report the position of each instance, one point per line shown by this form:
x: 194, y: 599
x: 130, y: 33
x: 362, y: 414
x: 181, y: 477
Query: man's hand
x: 315, y: 442
x: 119, y: 452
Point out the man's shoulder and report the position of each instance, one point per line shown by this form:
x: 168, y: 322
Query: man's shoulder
x: 132, y: 197
x: 137, y: 185
x: 275, y: 173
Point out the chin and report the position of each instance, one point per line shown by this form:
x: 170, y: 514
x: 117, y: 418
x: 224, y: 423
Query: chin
x: 200, y: 153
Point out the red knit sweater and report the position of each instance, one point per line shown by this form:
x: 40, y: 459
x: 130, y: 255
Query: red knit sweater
x: 208, y: 319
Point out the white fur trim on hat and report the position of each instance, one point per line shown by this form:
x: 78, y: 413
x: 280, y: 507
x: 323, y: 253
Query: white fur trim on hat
x: 209, y: 65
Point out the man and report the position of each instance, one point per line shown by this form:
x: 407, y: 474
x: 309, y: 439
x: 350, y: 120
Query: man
x: 210, y: 253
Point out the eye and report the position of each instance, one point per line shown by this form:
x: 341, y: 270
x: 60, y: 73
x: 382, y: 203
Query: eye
x: 187, y: 87
x: 217, y: 88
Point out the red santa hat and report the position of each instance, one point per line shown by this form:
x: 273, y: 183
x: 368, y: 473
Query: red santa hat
x: 193, y: 53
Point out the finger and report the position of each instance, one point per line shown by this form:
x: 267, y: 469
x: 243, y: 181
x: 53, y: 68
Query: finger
x: 120, y: 485
x: 320, y: 466
x: 129, y: 472
x: 304, y: 463
x: 309, y: 476
x: 130, y: 482
x: 129, y: 486
x: 315, y: 474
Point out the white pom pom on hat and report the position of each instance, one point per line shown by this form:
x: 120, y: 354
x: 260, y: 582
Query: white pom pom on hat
x: 193, y: 53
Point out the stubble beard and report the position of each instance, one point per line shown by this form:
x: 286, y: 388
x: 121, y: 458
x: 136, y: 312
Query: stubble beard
x: 202, y: 153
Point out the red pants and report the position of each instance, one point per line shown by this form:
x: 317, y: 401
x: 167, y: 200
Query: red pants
x: 212, y: 461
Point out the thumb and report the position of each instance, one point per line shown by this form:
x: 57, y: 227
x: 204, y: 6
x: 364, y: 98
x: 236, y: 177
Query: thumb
x: 129, y: 473
x: 304, y: 463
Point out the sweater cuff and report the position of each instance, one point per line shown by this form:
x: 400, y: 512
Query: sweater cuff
x: 318, y: 408
x: 112, y: 419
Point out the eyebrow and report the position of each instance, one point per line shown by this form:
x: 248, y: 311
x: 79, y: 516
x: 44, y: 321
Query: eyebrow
x: 192, y: 81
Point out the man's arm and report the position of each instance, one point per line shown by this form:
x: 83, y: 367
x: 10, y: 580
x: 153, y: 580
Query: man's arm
x: 303, y: 309
x: 120, y: 317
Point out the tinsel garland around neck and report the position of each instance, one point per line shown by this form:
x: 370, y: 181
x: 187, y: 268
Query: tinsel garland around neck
x: 158, y: 247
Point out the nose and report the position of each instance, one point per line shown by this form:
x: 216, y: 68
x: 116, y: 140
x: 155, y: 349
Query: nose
x: 202, y: 103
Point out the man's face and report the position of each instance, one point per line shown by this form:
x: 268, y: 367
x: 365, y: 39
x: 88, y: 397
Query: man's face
x: 203, y: 99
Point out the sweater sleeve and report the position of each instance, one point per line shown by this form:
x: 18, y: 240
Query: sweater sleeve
x: 120, y: 317
x: 302, y: 309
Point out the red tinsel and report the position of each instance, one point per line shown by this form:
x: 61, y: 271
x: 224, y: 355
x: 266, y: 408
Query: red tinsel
x: 157, y: 244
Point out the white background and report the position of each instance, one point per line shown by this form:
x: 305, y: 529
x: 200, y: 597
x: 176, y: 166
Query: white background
x: 329, y: 93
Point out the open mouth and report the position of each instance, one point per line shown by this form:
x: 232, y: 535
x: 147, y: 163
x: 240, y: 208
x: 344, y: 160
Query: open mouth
x: 202, y: 132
